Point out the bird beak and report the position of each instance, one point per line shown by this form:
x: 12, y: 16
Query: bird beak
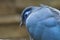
x: 21, y: 23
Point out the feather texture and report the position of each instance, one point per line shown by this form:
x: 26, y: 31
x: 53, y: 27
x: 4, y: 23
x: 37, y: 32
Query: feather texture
x: 43, y: 23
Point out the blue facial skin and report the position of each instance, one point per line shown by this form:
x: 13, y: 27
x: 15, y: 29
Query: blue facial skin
x: 42, y: 23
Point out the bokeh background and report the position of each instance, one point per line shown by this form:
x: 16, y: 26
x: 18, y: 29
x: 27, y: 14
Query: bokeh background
x: 10, y: 11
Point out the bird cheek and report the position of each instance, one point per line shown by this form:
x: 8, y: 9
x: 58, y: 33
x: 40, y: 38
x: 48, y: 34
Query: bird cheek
x: 50, y: 22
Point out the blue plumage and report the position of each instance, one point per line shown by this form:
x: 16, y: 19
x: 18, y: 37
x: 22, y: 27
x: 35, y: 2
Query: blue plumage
x: 42, y: 22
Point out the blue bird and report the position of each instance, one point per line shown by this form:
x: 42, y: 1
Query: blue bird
x: 42, y: 23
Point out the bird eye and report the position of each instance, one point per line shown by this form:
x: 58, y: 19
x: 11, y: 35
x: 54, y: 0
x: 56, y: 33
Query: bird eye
x: 27, y: 14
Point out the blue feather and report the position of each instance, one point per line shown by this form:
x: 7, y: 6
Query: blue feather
x: 42, y: 22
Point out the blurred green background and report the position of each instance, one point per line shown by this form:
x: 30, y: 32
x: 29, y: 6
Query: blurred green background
x: 10, y: 17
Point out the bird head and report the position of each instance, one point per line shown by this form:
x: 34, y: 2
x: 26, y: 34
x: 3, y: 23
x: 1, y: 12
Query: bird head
x: 26, y: 12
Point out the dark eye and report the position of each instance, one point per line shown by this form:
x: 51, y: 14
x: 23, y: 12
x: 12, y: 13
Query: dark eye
x: 27, y: 13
